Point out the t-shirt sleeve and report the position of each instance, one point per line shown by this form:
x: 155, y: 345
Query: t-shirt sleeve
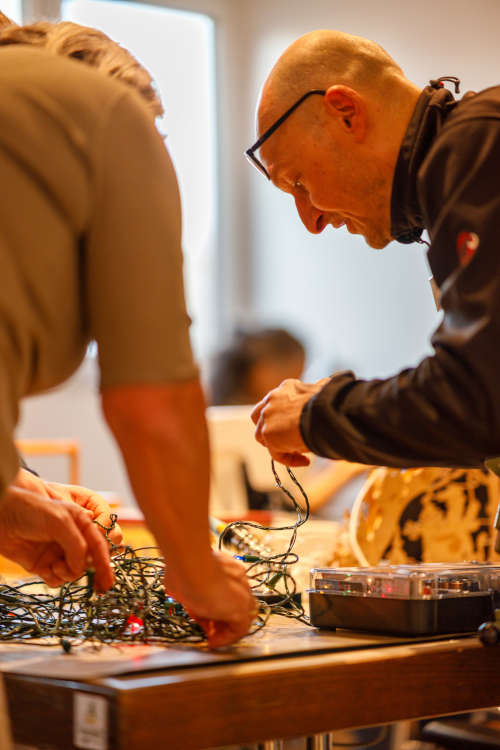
x: 132, y: 255
x: 445, y: 411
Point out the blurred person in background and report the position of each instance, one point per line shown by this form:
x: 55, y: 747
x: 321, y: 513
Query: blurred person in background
x: 255, y: 361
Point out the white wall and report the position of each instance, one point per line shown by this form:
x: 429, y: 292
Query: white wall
x: 73, y: 411
x: 355, y: 307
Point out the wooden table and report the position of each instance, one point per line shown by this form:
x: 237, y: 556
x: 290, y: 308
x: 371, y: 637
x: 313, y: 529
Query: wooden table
x: 291, y: 681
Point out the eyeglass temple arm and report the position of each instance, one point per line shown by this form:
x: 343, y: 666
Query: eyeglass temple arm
x: 281, y: 119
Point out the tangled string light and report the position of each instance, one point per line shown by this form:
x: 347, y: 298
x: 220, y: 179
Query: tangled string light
x: 137, y: 607
x: 272, y: 582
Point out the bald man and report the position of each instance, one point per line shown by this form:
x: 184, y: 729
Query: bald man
x: 356, y: 143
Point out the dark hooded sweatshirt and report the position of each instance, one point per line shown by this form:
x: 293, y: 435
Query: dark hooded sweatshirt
x: 445, y: 411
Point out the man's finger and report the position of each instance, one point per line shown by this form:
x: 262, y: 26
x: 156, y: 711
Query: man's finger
x: 232, y: 567
x: 50, y: 578
x: 259, y: 431
x: 98, y: 509
x: 56, y: 492
x: 67, y: 534
x: 61, y: 570
x: 255, y: 415
x: 222, y: 633
x: 323, y: 381
x: 292, y: 459
x: 44, y: 565
x: 98, y: 549
x: 48, y: 554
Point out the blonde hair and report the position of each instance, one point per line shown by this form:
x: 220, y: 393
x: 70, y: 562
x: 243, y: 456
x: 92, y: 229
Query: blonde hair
x: 4, y: 20
x: 89, y: 45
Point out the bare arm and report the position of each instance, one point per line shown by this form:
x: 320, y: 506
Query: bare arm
x: 162, y: 434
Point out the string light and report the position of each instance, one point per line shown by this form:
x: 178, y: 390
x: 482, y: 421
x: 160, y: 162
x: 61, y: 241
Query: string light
x: 137, y: 607
x: 272, y: 582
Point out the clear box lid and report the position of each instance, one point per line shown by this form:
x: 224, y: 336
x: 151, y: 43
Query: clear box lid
x: 420, y: 581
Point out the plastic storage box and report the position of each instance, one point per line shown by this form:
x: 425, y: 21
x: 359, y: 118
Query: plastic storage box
x: 425, y: 599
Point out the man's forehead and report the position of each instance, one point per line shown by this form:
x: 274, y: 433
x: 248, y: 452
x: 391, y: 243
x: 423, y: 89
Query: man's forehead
x: 276, y: 96
x: 267, y: 110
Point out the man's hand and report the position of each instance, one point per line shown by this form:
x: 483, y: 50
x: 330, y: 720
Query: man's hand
x: 277, y: 419
x: 223, y: 605
x: 95, y: 505
x: 162, y: 433
x: 53, y: 539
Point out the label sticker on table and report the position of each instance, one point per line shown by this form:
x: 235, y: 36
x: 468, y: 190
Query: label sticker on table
x: 90, y: 721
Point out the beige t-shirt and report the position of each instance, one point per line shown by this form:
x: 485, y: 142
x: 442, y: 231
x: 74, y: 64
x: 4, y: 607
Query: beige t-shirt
x: 90, y: 235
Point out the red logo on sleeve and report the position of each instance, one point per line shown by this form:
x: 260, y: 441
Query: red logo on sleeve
x: 467, y: 244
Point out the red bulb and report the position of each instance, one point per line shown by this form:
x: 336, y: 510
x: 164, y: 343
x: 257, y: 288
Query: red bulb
x: 134, y: 624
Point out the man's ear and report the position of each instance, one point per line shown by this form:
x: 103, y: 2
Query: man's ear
x: 349, y: 109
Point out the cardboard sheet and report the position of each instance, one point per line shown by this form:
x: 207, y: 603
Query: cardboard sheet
x: 281, y: 637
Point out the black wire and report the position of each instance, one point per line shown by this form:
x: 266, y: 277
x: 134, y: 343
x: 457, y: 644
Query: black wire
x: 267, y: 569
x: 137, y: 608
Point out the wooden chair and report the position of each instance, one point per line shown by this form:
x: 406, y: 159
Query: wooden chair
x: 53, y: 447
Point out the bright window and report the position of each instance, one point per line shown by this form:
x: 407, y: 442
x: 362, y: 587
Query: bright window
x: 12, y: 9
x: 177, y: 47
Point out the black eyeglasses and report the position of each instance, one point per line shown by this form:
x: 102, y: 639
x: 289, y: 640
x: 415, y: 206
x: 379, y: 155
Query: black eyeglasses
x: 250, y: 152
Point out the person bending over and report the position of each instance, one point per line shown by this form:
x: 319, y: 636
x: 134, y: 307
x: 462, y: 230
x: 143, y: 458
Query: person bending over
x: 357, y: 144
x: 90, y: 248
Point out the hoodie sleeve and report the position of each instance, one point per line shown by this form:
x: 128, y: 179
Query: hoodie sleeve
x: 445, y: 411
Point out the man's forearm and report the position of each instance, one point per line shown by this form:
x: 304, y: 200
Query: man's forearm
x: 416, y: 418
x: 162, y: 434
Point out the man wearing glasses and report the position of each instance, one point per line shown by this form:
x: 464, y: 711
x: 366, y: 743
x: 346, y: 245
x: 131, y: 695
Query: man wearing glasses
x: 355, y: 143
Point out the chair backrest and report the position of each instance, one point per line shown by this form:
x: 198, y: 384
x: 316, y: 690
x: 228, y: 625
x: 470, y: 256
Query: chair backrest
x: 53, y: 447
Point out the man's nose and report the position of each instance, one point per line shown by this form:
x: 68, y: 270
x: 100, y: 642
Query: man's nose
x: 311, y: 217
